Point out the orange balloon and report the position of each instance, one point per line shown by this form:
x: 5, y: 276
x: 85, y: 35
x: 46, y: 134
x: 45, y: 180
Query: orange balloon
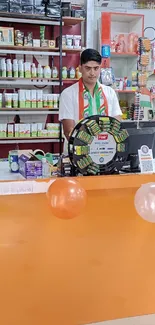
x: 67, y: 198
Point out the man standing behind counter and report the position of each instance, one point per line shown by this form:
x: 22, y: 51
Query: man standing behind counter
x: 87, y: 97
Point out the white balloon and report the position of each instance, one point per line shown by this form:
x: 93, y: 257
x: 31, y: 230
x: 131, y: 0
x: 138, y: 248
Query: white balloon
x: 145, y: 202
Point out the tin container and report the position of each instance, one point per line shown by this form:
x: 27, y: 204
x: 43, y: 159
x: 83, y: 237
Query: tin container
x: 13, y: 161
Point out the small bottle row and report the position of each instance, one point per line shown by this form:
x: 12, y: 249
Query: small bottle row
x: 29, y: 99
x: 21, y: 69
x: 27, y: 130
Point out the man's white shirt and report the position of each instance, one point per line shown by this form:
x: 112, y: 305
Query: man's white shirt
x: 69, y: 104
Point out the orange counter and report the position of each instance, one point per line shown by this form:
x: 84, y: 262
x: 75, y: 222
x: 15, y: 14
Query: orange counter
x: 97, y: 267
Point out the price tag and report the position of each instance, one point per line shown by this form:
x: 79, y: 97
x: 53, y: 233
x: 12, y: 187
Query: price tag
x: 146, y: 160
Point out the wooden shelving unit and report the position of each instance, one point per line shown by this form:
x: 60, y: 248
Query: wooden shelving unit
x: 70, y: 21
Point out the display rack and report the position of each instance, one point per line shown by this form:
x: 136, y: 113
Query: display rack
x: 59, y: 83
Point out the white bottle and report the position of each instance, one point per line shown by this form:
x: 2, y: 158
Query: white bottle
x: 46, y: 171
x: 21, y: 68
x: 15, y: 68
x: 33, y: 71
x: 8, y: 68
x: 40, y: 71
x: 3, y: 68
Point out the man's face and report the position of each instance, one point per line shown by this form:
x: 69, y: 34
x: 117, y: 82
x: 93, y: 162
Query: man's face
x: 90, y: 72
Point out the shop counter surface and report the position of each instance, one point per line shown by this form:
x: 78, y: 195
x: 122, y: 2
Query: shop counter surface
x: 99, y: 266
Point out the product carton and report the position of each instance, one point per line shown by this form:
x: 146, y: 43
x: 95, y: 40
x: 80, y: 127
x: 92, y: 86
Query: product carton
x: 39, y: 129
x: 39, y: 96
x: 3, y: 130
x: 17, y: 130
x: 21, y: 130
x: 34, y: 129
x: 30, y: 167
x: 33, y: 99
x: 28, y: 98
x: 21, y: 94
x: 10, y: 130
x: 27, y: 130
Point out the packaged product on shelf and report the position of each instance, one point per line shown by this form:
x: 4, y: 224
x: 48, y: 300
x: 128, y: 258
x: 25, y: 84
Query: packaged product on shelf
x: 21, y: 130
x: 77, y: 41
x: 28, y: 98
x: 40, y: 72
x: 27, y: 70
x: 63, y: 41
x: 133, y: 42
x: 36, y: 42
x: 10, y: 130
x: 69, y: 41
x: 39, y: 98
x: 27, y: 130
x: 42, y: 33
x: 47, y: 72
x: 8, y: 100
x: 39, y: 129
x: 27, y: 10
x: 64, y: 73
x: 45, y: 100
x: 15, y: 68
x: 21, y: 68
x: 8, y: 68
x: 15, y: 100
x: 3, y: 68
x: 55, y: 101
x: 30, y: 168
x: 50, y: 100
x: 15, y: 8
x: 33, y: 71
x: 1, y: 100
x: 121, y: 42
x: 54, y: 72
x: 4, y: 7
x: 33, y: 98
x: 51, y: 44
x: 39, y: 10
x: 72, y: 73
x: 3, y: 130
x: 6, y: 36
x: 78, y: 73
x: 29, y: 39
x: 16, y: 128
x: 34, y: 129
x: 53, y: 10
x: 44, y: 133
x: 44, y: 43
x: 19, y: 38
x: 21, y: 98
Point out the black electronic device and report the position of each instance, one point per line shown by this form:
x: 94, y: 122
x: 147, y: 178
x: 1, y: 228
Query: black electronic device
x: 98, y: 145
x: 141, y: 133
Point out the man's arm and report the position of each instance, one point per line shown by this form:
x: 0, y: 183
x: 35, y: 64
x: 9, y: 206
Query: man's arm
x: 66, y: 112
x: 68, y: 126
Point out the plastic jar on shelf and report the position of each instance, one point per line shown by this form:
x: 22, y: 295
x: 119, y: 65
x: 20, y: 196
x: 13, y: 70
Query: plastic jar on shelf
x: 77, y: 41
x: 69, y: 41
x: 64, y: 73
x: 47, y: 72
x: 72, y: 73
x: 54, y: 72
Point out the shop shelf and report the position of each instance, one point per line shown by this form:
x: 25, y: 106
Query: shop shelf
x: 23, y: 50
x: 29, y: 140
x: 124, y: 55
x: 69, y: 21
x: 22, y: 20
x: 27, y: 111
x: 29, y: 82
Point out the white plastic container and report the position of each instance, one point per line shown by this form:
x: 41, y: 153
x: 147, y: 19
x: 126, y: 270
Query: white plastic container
x: 21, y: 68
x: 47, y: 72
x: 3, y: 68
x: 69, y: 41
x: 40, y: 72
x: 33, y: 71
x: 46, y: 170
x: 8, y: 68
x: 8, y: 100
x: 77, y: 41
x: 15, y: 68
